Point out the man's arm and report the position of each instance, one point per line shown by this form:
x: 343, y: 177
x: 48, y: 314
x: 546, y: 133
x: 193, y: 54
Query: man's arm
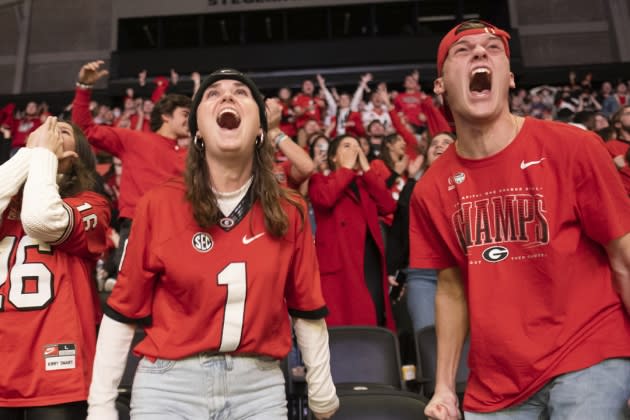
x: 451, y: 322
x: 619, y: 256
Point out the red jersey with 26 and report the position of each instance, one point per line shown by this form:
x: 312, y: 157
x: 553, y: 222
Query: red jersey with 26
x: 49, y: 307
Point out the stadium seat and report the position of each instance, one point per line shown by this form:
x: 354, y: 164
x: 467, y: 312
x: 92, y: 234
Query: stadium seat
x: 426, y: 351
x: 377, y: 403
x: 365, y: 355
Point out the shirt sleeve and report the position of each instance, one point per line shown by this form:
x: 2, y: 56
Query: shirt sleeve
x: 602, y: 203
x: 86, y: 234
x: 132, y: 298
x: 427, y: 248
x: 303, y: 290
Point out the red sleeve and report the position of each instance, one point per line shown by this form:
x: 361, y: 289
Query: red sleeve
x: 358, y: 129
x: 303, y: 290
x: 86, y: 235
x: 602, y: 202
x: 380, y: 169
x: 382, y: 196
x: 616, y: 148
x: 435, y: 119
x: 324, y: 191
x: 426, y: 246
x: 161, y: 85
x: 106, y: 138
x: 408, y: 136
x: 132, y: 297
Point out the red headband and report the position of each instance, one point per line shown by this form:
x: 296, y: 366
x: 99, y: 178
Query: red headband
x: 469, y: 27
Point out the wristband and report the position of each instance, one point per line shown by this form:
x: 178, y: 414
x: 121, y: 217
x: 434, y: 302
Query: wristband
x: 84, y: 86
x: 280, y: 138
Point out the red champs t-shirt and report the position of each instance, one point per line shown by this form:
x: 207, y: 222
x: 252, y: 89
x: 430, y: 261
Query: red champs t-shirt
x: 527, y: 227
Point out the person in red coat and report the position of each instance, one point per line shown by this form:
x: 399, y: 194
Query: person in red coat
x: 347, y: 204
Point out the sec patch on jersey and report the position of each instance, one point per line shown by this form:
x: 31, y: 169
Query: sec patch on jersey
x: 202, y: 242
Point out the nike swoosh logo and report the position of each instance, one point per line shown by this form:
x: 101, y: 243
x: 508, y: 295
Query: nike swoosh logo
x: 525, y: 165
x: 49, y: 351
x: 247, y: 241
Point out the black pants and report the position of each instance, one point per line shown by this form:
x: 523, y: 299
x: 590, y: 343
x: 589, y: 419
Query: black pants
x: 69, y: 411
x: 114, y: 261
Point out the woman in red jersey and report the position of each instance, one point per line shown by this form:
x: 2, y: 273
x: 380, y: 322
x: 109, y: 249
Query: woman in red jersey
x: 216, y: 263
x: 52, y: 231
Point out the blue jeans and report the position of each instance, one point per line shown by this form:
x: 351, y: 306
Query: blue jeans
x: 598, y: 392
x: 204, y: 386
x: 421, y: 285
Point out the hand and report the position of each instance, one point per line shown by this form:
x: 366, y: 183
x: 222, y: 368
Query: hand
x: 174, y: 77
x: 325, y: 416
x: 400, y: 166
x: 366, y: 78
x: 6, y: 133
x: 48, y: 136
x: 129, y: 92
x: 443, y: 406
x: 195, y: 76
x: 416, y: 75
x: 620, y: 161
x: 274, y: 113
x: 414, y: 166
x: 321, y: 81
x: 363, y: 161
x: 142, y: 77
x: 392, y: 280
x: 348, y: 156
x: 91, y: 72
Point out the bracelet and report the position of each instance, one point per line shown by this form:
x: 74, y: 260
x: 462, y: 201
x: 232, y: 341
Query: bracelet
x: 280, y: 138
x: 84, y: 86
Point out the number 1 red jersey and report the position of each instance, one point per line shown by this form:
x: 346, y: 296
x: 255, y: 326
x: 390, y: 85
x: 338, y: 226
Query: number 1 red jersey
x: 48, y: 306
x: 214, y: 290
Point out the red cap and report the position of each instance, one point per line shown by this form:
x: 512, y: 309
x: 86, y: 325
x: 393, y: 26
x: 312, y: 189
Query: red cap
x: 469, y: 27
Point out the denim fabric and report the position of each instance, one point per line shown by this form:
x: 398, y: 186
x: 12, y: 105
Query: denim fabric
x: 599, y: 392
x: 421, y: 285
x: 213, y: 387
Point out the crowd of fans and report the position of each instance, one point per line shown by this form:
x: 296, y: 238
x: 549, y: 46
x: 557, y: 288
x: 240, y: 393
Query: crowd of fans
x: 391, y: 131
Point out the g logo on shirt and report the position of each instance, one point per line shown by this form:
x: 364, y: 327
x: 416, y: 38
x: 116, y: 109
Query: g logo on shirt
x: 202, y: 242
x: 494, y: 254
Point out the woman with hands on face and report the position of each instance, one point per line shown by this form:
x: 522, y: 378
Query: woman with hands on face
x: 52, y: 230
x: 347, y: 204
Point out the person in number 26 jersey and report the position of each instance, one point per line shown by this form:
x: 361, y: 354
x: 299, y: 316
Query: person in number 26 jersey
x: 216, y: 263
x: 53, y: 228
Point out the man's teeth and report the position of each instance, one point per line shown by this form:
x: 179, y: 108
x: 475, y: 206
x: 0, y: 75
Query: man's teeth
x: 481, y: 70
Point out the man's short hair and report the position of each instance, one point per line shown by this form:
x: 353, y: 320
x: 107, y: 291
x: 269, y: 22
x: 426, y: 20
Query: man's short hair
x: 166, y: 106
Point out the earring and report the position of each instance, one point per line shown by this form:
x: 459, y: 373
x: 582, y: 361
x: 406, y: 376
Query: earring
x: 260, y: 139
x: 198, y: 142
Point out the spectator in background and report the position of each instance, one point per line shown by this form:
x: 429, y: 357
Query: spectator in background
x: 148, y: 159
x: 307, y: 106
x: 52, y: 231
x: 227, y: 323
x: 287, y: 123
x: 601, y: 121
x: 375, y: 133
x: 347, y: 203
x: 342, y: 117
x: 5, y: 144
x: 293, y: 166
x: 421, y: 282
x: 21, y: 127
x: 548, y: 315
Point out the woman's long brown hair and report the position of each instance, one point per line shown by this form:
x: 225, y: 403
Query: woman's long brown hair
x: 264, y: 187
x: 82, y: 175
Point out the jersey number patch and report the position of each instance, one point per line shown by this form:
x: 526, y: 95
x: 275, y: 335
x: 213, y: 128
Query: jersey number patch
x: 30, y: 283
x: 234, y: 276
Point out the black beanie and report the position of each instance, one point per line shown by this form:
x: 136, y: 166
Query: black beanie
x: 232, y: 75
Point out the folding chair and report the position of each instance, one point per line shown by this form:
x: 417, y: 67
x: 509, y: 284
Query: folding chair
x: 426, y: 351
x: 365, y: 355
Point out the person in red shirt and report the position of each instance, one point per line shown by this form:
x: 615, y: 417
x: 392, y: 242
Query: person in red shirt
x: 22, y: 127
x: 307, y: 106
x: 216, y: 263
x: 148, y: 159
x: 52, y: 231
x: 524, y: 221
